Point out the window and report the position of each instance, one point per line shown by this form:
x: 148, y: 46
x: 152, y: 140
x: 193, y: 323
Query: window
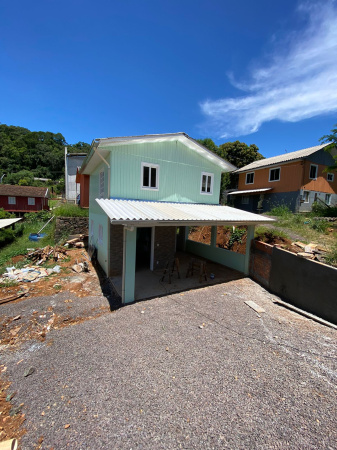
x: 101, y: 184
x: 31, y: 201
x: 250, y: 178
x: 11, y: 200
x: 150, y: 176
x: 328, y: 199
x: 245, y: 200
x: 330, y: 176
x: 207, y: 183
x: 306, y: 196
x: 274, y: 174
x: 313, y: 172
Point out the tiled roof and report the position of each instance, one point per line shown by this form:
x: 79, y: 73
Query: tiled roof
x: 23, y: 191
x: 299, y: 154
x: 132, y: 211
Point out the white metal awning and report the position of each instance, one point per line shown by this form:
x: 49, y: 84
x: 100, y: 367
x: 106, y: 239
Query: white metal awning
x: 250, y: 191
x: 146, y: 213
x: 7, y: 222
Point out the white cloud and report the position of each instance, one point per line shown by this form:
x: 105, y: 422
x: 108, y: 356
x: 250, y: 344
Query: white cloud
x: 300, y: 81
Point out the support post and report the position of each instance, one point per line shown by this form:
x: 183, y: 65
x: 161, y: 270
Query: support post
x: 129, y: 264
x: 250, y: 237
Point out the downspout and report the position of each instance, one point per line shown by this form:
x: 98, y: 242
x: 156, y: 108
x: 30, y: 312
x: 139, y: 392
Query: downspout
x: 105, y: 162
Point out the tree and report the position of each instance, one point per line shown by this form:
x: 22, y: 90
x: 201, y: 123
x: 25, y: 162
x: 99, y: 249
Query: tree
x: 239, y: 154
x: 331, y: 139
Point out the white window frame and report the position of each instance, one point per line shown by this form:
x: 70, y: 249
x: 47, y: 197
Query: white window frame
x: 101, y: 182
x: 12, y: 200
x: 327, y: 199
x: 313, y: 165
x: 330, y: 177
x: 245, y: 200
x: 150, y: 166
x: 31, y: 201
x: 207, y: 175
x: 306, y: 195
x: 250, y: 173
x: 279, y: 178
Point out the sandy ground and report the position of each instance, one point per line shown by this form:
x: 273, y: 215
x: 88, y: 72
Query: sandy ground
x: 199, y: 369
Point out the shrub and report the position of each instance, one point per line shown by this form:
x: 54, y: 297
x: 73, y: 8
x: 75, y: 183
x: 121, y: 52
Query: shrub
x: 280, y: 211
x: 70, y: 210
x: 236, y: 236
x: 6, y: 215
x: 40, y: 216
x: 324, y: 211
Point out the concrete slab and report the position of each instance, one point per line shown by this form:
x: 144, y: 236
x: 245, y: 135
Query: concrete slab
x: 149, y: 285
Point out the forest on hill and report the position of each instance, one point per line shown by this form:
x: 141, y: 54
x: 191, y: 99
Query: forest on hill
x: 26, y: 154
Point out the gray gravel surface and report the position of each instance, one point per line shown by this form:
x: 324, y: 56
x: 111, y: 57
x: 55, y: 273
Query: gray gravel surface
x: 194, y: 370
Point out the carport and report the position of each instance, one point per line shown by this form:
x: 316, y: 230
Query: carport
x: 150, y: 228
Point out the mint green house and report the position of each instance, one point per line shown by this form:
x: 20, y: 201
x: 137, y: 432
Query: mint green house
x: 145, y: 191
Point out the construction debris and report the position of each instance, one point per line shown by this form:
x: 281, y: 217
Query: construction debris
x: 28, y: 274
x: 14, y: 297
x: 41, y: 255
x: 311, y: 251
x: 77, y: 241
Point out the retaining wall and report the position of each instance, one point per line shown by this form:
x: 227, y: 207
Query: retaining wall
x: 306, y: 284
x: 71, y: 225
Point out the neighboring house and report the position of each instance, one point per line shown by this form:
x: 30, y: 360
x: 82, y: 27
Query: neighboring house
x: 145, y: 192
x: 83, y: 195
x: 22, y: 199
x: 73, y: 162
x: 295, y: 179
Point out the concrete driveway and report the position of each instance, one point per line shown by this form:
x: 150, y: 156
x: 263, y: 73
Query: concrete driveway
x: 193, y: 370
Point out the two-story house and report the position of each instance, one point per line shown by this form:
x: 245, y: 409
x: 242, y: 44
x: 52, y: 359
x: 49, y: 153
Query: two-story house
x: 295, y: 179
x: 145, y: 191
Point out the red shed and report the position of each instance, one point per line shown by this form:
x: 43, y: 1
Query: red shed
x: 22, y: 199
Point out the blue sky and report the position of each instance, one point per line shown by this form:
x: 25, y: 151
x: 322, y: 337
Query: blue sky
x: 260, y: 72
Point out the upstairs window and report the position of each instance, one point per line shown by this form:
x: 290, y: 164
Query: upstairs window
x: 313, y: 172
x: 207, y: 180
x: 31, y: 201
x: 250, y: 178
x: 275, y: 174
x: 101, y: 184
x: 330, y: 177
x: 150, y: 176
x: 12, y: 200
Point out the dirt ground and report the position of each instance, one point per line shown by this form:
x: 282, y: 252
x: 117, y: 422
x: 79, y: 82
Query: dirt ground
x: 203, y: 235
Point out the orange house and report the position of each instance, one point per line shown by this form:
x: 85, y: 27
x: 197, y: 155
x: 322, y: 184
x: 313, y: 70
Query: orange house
x: 295, y: 179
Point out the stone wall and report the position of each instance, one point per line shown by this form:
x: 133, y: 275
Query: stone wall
x: 164, y: 246
x: 71, y: 225
x: 116, y: 250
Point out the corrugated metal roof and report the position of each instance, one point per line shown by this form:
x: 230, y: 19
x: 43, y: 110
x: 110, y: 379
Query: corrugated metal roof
x: 281, y: 158
x: 136, y: 211
x: 7, y: 222
x: 250, y: 191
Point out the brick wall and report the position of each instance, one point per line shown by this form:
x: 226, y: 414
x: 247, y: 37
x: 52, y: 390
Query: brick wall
x: 164, y: 246
x: 116, y: 250
x: 260, y: 262
x: 71, y: 225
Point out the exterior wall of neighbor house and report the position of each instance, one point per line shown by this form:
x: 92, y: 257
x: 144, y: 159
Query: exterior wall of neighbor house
x: 180, y: 170
x: 291, y: 177
x: 270, y: 200
x: 72, y: 188
x: 321, y: 184
x: 21, y: 204
x: 99, y: 225
x: 84, y: 190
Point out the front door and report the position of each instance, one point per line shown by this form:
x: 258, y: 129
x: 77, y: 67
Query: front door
x: 143, y: 248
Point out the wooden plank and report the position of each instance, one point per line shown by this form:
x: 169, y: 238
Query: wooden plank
x: 254, y: 306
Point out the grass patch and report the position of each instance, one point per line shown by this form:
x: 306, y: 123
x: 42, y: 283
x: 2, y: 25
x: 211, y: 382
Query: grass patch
x: 70, y: 210
x: 261, y: 232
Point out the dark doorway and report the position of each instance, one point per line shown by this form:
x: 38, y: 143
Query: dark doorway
x: 143, y: 248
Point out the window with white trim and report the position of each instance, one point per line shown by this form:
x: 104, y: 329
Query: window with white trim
x: 250, y: 178
x: 328, y: 199
x: 313, y: 172
x: 101, y: 184
x: 330, y: 176
x: 275, y: 174
x: 12, y: 200
x: 306, y: 196
x: 207, y: 181
x: 31, y: 201
x: 150, y: 176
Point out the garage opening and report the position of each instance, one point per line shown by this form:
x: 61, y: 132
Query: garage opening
x: 143, y: 248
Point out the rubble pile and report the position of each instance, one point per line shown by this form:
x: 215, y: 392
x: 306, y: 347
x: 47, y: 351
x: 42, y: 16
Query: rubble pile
x: 41, y: 255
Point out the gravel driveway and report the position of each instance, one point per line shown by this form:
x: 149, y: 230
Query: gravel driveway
x: 194, y: 370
